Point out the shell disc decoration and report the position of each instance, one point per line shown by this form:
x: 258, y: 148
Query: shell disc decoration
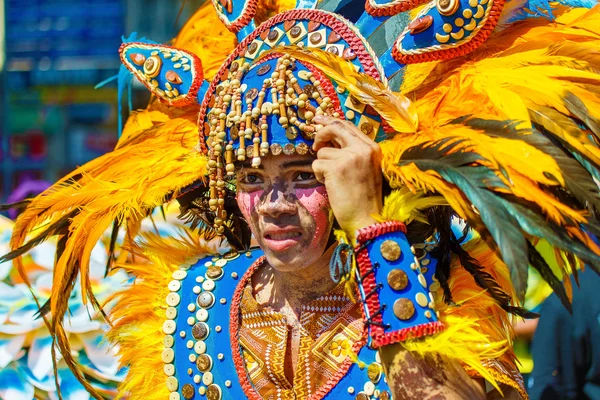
x: 173, y: 75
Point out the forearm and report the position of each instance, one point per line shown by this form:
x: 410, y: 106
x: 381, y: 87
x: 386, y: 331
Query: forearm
x: 413, y: 377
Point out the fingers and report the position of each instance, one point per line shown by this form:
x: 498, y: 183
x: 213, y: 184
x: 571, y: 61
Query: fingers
x: 320, y: 168
x: 329, y: 153
x: 340, y: 133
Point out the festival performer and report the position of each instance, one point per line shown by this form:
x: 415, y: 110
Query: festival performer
x: 377, y: 197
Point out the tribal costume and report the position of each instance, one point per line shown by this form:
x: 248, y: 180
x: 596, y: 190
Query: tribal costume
x: 486, y: 111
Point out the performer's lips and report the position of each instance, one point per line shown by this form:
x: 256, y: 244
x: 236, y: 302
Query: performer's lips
x: 279, y: 239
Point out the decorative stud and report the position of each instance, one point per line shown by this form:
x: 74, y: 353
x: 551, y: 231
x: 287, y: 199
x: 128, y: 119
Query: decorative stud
x: 169, y: 369
x: 204, y: 363
x: 369, y: 388
x: 200, y: 347
x: 404, y: 309
x: 171, y: 313
x: 207, y: 378
x: 173, y: 77
x: 221, y: 262
x: 420, y: 24
x: 137, y: 58
x: 172, y: 383
x: 152, y: 66
x: 200, y: 330
x: 173, y: 299
x: 302, y: 148
x: 187, y: 391
x: 422, y: 280
x: 385, y: 395
x: 214, y: 273
x: 421, y: 299
x: 397, y: 279
x: 169, y: 327
x: 168, y: 355
x: 447, y: 7
x: 208, y: 285
x: 374, y: 372
x: 179, y: 274
x: 174, y: 285
x: 348, y: 54
x: 390, y: 250
x: 289, y: 149
x: 213, y: 392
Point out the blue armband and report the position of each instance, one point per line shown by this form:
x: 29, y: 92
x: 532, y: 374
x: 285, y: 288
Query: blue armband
x: 394, y: 280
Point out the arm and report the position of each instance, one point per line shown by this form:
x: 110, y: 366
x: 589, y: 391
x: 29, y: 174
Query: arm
x: 412, y: 377
x: 350, y: 166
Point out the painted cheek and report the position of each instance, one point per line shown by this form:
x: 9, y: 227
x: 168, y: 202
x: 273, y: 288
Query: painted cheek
x: 316, y: 202
x: 247, y: 202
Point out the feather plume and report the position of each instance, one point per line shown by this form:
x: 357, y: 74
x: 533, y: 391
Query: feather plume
x: 396, y: 109
x: 148, y: 167
x: 527, y: 166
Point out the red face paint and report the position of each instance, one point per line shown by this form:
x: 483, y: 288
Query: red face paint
x: 290, y: 217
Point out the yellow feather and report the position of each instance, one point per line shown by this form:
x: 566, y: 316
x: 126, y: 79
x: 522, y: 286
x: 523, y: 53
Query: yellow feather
x: 405, y: 206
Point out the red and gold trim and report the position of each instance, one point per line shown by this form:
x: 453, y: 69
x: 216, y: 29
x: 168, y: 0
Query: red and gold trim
x: 181, y: 99
x: 391, y: 8
x: 449, y: 51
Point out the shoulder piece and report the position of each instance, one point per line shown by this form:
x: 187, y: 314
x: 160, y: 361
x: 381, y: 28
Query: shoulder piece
x: 197, y: 354
x: 174, y: 76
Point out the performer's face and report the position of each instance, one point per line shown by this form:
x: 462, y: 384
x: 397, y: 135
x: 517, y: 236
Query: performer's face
x: 287, y: 209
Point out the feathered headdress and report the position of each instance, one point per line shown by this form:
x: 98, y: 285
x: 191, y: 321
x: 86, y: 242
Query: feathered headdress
x: 497, y: 126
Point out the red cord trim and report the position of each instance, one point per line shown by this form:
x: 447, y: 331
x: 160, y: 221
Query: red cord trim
x: 458, y: 51
x: 329, y: 20
x: 241, y: 20
x: 387, y: 10
x: 198, y: 75
x: 414, y: 332
x: 234, y: 332
x: 234, y: 324
x: 371, y: 232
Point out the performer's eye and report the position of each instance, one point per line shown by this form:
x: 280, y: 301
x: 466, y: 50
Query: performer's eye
x: 305, y: 176
x: 251, y: 179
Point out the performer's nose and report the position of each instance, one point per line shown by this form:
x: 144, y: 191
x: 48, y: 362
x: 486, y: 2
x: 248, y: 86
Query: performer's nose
x: 276, y: 204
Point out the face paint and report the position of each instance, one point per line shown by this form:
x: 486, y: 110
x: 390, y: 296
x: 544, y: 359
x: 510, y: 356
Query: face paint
x: 287, y: 210
x: 316, y: 202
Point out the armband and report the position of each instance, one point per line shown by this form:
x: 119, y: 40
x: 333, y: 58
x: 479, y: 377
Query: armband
x: 394, y: 281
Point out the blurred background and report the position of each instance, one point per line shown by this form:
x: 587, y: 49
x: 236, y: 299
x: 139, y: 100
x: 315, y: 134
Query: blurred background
x: 52, y: 54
